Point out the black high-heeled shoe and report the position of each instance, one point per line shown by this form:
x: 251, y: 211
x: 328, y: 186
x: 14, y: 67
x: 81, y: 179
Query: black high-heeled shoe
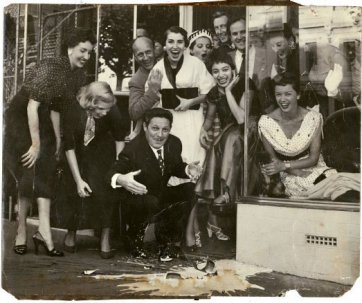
x: 20, y: 249
x: 39, y: 240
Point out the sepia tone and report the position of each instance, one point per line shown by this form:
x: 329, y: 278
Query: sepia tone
x: 274, y: 241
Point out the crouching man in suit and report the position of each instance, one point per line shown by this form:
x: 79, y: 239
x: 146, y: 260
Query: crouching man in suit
x: 142, y: 172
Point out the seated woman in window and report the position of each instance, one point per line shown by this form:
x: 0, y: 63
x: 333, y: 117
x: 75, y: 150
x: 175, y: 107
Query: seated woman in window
x: 292, y: 137
x: 222, y: 179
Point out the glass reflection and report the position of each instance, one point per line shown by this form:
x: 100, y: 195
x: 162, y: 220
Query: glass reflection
x: 310, y: 85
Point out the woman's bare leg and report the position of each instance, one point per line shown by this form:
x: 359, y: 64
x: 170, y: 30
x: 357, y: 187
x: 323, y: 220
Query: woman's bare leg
x: 105, y: 239
x: 190, y: 228
x: 44, y: 221
x: 23, y: 209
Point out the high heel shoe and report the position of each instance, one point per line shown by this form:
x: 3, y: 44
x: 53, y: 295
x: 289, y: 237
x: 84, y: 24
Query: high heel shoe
x: 20, y: 249
x: 198, y: 240
x: 39, y: 240
x: 212, y: 229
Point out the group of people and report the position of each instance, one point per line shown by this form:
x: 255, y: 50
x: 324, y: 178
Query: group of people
x: 189, y: 109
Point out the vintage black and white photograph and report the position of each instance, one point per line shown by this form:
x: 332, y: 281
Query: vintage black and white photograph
x: 157, y: 151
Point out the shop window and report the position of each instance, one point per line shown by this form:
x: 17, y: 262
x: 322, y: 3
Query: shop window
x: 308, y: 44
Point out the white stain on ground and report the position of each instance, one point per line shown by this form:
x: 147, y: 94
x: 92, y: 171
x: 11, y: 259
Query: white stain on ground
x: 231, y: 276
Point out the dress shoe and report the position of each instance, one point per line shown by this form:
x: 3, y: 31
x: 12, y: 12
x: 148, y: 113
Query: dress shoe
x: 107, y: 254
x: 20, y: 249
x: 39, y: 240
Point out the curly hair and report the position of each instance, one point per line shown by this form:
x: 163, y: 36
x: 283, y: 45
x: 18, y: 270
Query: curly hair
x: 88, y: 96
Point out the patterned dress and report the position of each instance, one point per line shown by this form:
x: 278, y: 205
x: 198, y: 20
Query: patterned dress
x: 54, y: 85
x: 296, y: 148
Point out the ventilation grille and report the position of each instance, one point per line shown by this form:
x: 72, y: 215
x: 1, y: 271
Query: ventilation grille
x: 321, y: 240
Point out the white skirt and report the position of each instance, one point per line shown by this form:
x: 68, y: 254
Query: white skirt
x: 186, y: 126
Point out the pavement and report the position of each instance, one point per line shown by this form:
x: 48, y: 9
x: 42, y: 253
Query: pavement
x: 84, y: 275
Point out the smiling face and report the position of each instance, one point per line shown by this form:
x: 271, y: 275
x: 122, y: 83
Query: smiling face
x: 280, y: 46
x: 221, y: 28
x: 157, y: 131
x: 286, y: 97
x: 222, y: 73
x: 100, y: 109
x: 237, y: 35
x: 175, y: 46
x: 202, y: 48
x: 144, y: 53
x: 80, y: 54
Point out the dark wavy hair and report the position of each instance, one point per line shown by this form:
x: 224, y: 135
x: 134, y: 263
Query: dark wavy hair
x: 218, y: 56
x: 285, y: 79
x: 157, y: 112
x: 177, y: 30
x: 76, y: 36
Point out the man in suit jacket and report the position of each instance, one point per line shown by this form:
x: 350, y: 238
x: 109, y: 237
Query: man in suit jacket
x: 142, y: 171
x: 257, y: 57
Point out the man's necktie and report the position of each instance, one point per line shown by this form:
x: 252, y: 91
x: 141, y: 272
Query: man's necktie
x: 242, y: 65
x: 161, y: 163
x: 90, y: 128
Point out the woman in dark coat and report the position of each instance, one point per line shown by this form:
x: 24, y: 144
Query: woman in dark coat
x: 93, y: 135
x: 32, y: 133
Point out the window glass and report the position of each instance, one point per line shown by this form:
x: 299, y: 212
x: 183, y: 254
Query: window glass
x: 310, y: 126
x: 115, y: 41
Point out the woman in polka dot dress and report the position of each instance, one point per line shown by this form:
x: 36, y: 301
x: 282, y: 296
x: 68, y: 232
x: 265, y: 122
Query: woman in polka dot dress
x: 292, y: 137
x: 32, y: 133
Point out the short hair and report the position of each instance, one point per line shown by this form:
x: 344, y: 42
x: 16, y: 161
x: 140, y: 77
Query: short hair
x: 79, y: 35
x: 219, y: 14
x: 157, y: 112
x: 236, y: 19
x: 219, y: 56
x: 177, y: 30
x: 142, y: 37
x: 286, y: 79
x: 95, y: 92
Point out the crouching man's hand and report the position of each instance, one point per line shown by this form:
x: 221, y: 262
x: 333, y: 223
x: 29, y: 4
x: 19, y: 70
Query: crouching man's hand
x: 128, y: 182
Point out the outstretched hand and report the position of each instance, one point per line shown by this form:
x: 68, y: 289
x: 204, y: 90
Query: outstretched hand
x: 128, y: 182
x: 333, y: 80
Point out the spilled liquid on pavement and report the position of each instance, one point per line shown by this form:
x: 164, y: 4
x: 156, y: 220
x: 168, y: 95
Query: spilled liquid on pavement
x: 231, y: 276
